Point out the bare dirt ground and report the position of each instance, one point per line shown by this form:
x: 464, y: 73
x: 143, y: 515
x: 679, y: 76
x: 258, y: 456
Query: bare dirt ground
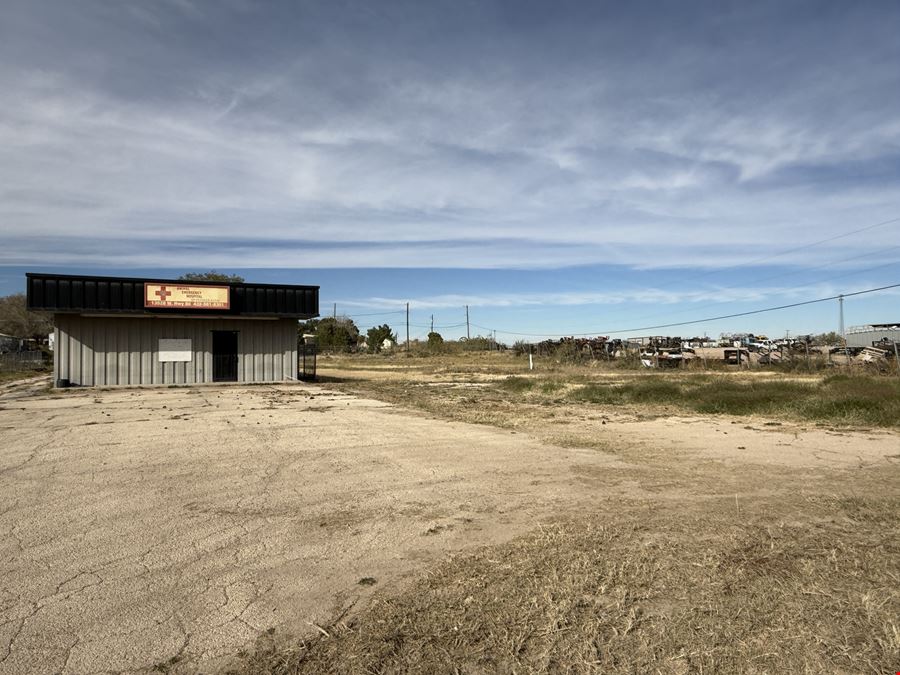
x: 167, y: 529
x: 142, y: 526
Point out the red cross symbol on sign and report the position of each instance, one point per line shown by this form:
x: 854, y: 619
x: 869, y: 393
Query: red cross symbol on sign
x: 163, y: 293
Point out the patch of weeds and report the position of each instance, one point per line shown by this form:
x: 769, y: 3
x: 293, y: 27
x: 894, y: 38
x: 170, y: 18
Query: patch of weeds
x: 517, y: 385
x: 551, y: 386
x: 871, y: 510
x: 704, y: 591
x: 841, y: 399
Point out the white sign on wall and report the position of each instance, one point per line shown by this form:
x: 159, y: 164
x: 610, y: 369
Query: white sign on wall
x: 175, y: 350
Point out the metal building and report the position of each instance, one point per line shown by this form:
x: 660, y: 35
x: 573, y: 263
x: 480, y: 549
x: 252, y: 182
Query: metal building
x: 121, y: 331
x: 873, y: 335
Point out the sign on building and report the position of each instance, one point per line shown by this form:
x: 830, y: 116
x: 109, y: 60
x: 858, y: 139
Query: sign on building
x: 186, y: 297
x: 175, y: 350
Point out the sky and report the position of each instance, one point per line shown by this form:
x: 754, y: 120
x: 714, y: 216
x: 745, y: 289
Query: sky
x: 560, y: 167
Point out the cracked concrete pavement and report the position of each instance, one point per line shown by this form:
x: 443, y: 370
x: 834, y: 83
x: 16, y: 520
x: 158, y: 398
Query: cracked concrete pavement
x: 170, y: 527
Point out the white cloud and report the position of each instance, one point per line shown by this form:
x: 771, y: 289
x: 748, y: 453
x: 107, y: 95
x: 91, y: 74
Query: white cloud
x: 689, y: 299
x: 385, y: 161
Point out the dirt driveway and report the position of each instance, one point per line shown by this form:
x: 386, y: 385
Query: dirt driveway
x: 168, y: 528
x: 147, y: 526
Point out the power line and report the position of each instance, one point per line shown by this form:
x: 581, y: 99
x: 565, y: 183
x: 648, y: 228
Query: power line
x: 399, y: 311
x: 791, y: 250
x: 707, y: 319
x: 785, y: 274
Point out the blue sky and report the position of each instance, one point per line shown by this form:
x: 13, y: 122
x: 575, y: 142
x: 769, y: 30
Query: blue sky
x: 560, y: 167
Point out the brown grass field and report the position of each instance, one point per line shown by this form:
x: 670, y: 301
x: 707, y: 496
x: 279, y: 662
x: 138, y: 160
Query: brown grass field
x: 738, y: 551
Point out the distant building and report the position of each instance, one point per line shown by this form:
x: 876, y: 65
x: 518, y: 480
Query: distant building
x: 871, y: 335
x: 9, y: 343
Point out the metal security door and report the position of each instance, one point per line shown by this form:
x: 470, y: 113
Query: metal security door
x: 225, y: 355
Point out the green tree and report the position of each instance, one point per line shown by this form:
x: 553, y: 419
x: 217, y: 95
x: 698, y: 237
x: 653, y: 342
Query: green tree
x: 435, y: 341
x: 377, y: 335
x: 17, y: 320
x: 212, y: 275
x: 335, y: 335
x: 826, y: 339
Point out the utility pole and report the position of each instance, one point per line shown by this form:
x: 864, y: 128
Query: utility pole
x: 841, y: 310
x: 468, y: 335
x: 334, y: 313
x: 432, y: 323
x: 407, y: 327
x: 843, y: 334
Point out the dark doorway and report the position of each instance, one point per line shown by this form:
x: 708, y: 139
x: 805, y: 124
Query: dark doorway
x: 225, y: 355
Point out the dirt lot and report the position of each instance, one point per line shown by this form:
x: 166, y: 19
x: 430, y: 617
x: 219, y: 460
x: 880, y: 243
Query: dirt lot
x: 170, y: 529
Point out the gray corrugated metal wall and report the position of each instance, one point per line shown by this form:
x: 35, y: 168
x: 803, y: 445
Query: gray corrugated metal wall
x: 100, y: 351
x: 867, y: 337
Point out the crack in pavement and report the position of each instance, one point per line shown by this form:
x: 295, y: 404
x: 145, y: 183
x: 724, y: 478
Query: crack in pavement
x: 18, y: 632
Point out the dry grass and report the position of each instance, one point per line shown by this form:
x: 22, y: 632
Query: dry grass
x: 756, y: 570
x: 17, y: 375
x: 638, y: 589
x: 857, y: 400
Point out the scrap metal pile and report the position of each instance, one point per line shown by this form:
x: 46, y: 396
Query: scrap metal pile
x: 594, y: 347
x: 664, y: 352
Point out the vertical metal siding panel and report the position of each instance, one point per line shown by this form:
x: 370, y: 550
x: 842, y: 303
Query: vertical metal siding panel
x: 143, y: 325
x: 279, y: 351
x: 56, y: 344
x: 99, y: 352
x: 259, y: 351
x: 134, y: 350
x: 170, y: 365
x: 194, y: 370
x: 155, y: 366
x: 262, y: 349
x: 184, y: 366
x: 178, y: 366
x: 75, y: 355
x: 284, y: 349
x: 165, y: 331
x: 146, y: 357
x: 86, y: 331
x: 207, y: 352
x: 134, y: 345
x: 122, y: 376
x: 291, y: 366
x: 62, y: 353
x: 64, y: 366
x: 246, y: 348
x: 203, y: 333
x: 280, y: 348
x: 290, y: 333
x: 80, y: 372
x: 112, y: 351
x: 267, y: 353
x: 190, y: 332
